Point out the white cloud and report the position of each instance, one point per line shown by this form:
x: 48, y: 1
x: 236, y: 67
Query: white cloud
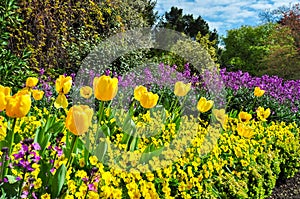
x: 223, y: 14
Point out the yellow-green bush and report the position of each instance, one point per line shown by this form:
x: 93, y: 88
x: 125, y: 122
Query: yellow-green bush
x: 60, y: 33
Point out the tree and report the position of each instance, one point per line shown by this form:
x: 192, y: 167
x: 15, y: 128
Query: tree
x: 175, y: 20
x: 285, y: 16
x: 245, y: 47
x: 283, y: 59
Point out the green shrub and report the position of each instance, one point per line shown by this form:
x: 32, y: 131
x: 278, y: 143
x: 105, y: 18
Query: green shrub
x: 13, y: 69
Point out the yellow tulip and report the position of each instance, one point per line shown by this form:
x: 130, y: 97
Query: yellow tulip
x: 105, y: 87
x: 181, y: 89
x: 148, y: 100
x: 138, y: 91
x: 63, y: 84
x: 244, y: 130
x: 244, y: 116
x: 61, y: 101
x: 18, y: 105
x: 4, y: 92
x: 31, y: 82
x: 258, y: 92
x: 37, y: 94
x: 221, y: 116
x: 263, y: 114
x: 86, y: 92
x: 204, y: 105
x: 79, y: 119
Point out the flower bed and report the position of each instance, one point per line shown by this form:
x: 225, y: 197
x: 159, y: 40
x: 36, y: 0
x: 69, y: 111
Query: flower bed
x: 156, y: 147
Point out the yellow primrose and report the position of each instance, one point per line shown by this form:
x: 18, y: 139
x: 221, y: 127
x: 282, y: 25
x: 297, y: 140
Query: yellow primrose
x: 244, y: 130
x: 138, y: 91
x: 37, y: 94
x: 86, y: 92
x: 258, y: 92
x: 244, y: 116
x: 46, y: 196
x: 105, y: 87
x: 204, y: 105
x: 79, y: 119
x: 181, y: 89
x: 148, y: 100
x: 31, y: 82
x: 18, y: 105
x: 4, y: 92
x: 263, y: 114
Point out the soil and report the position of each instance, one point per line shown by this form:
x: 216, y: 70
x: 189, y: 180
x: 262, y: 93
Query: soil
x: 287, y: 189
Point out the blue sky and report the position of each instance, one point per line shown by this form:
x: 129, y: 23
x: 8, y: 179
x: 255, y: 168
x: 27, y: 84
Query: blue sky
x: 224, y: 14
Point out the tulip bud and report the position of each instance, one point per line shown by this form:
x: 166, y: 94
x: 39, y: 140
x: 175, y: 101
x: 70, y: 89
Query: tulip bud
x: 105, y: 87
x: 204, y: 105
x: 79, y: 119
x: 4, y: 92
x: 18, y: 105
x: 181, y: 89
x: 148, y: 100
x: 31, y: 82
x: 86, y: 92
x: 138, y: 91
x: 37, y: 94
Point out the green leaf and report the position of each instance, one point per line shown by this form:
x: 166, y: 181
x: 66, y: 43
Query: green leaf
x: 149, y: 153
x: 11, y: 179
x: 58, y: 181
x: 101, y: 150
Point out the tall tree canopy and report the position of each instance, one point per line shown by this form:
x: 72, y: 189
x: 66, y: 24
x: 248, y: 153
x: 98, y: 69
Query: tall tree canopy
x: 176, y: 20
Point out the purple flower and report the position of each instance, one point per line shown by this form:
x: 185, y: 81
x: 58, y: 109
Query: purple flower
x: 42, y: 71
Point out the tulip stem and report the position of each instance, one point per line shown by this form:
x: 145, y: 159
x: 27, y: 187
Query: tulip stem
x: 101, y: 108
x: 11, y: 137
x: 72, y: 148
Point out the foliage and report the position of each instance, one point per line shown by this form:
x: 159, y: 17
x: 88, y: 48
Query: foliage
x: 285, y: 16
x: 245, y: 47
x: 14, y: 69
x: 283, y: 58
x: 196, y: 29
x: 60, y: 34
x: 175, y: 20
